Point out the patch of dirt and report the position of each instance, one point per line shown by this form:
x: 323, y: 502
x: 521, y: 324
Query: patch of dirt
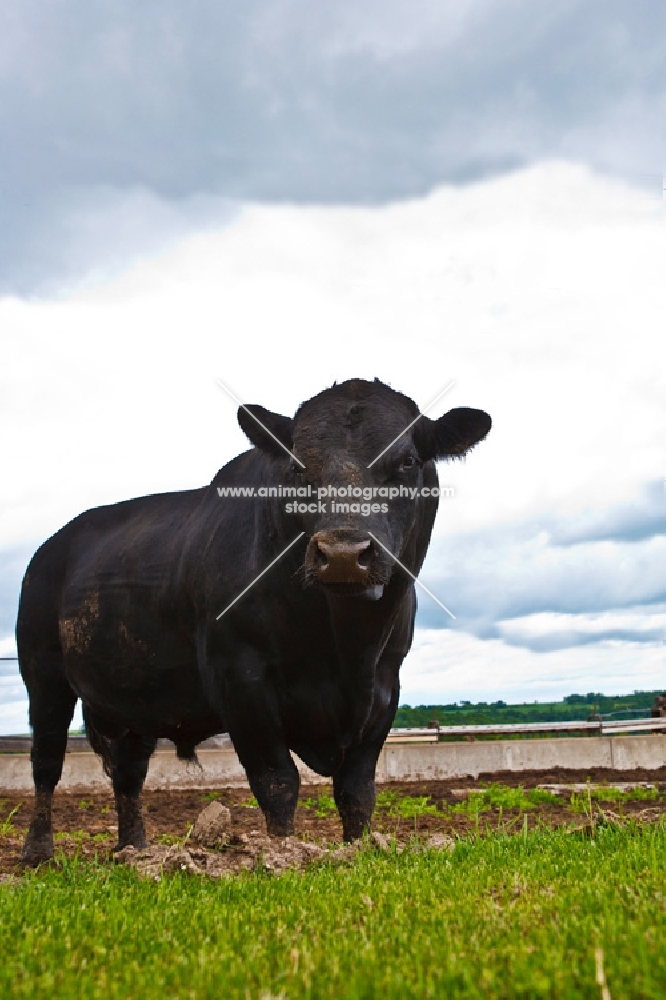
x: 567, y: 776
x: 87, y: 824
x: 253, y: 851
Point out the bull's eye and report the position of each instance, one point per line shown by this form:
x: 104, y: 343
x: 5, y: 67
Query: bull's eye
x: 408, y: 463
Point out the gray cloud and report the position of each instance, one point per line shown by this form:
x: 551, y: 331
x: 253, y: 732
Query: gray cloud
x: 597, y: 561
x: 643, y: 517
x: 348, y: 101
x: 12, y: 688
x: 13, y: 564
x: 77, y: 237
x: 577, y: 637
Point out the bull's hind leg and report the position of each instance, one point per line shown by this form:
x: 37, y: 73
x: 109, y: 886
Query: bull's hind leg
x: 52, y: 704
x: 130, y: 755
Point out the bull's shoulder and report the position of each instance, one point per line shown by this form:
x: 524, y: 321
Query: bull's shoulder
x: 252, y: 468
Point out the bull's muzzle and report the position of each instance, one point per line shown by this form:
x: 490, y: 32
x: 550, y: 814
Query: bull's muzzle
x: 344, y: 563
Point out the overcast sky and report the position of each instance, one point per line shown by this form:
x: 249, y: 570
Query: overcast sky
x: 282, y: 194
x: 125, y: 124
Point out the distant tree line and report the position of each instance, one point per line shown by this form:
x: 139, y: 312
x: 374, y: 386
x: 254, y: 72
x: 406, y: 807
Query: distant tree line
x: 575, y: 706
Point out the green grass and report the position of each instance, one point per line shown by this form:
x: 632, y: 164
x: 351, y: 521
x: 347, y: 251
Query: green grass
x: 581, y: 802
x: 503, y: 797
x: 7, y: 824
x: 405, y: 806
x: 323, y: 805
x: 501, y: 917
x: 81, y: 837
x: 395, y: 804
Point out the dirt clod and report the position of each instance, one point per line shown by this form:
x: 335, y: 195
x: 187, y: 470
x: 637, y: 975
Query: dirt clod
x: 257, y: 851
x: 212, y: 826
x: 441, y: 842
x: 253, y: 851
x: 380, y: 840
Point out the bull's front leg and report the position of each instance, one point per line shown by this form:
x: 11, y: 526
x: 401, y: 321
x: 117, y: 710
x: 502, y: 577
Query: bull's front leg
x: 273, y: 778
x: 255, y: 727
x: 354, y: 790
x: 354, y: 782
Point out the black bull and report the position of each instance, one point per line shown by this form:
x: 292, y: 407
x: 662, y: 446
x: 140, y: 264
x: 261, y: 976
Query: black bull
x: 121, y: 609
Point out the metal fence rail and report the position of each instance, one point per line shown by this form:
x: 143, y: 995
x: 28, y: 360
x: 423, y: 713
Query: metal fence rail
x: 602, y: 727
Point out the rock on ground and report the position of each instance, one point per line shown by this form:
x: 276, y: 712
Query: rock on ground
x: 212, y: 826
x: 441, y: 842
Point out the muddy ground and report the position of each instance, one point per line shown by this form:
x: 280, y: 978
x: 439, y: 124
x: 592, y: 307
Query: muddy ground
x: 87, y: 823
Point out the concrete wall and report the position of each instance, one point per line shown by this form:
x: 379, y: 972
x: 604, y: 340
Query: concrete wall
x: 410, y: 762
x: 451, y: 760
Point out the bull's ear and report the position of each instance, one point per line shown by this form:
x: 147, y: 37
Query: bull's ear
x: 452, y: 435
x: 263, y: 428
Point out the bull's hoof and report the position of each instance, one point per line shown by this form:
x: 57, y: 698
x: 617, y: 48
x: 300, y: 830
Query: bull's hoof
x: 131, y: 831
x: 274, y: 828
x: 354, y: 831
x: 37, y: 848
x: 138, y: 840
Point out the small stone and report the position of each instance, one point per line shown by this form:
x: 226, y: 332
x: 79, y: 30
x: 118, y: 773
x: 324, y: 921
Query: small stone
x: 342, y: 855
x: 441, y: 842
x: 380, y: 840
x: 178, y: 859
x: 211, y: 828
x: 126, y: 856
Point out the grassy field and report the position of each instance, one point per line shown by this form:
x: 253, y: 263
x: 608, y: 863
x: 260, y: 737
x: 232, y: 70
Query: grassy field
x: 539, y: 914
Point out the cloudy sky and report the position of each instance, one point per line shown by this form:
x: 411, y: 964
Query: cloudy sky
x: 280, y: 194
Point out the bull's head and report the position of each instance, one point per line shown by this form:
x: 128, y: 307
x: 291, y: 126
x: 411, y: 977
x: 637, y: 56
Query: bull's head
x: 367, y: 438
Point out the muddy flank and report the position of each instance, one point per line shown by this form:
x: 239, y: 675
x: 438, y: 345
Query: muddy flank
x: 434, y: 812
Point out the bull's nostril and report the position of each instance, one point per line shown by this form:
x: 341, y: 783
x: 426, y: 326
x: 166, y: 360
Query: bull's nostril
x: 320, y: 558
x: 365, y: 557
